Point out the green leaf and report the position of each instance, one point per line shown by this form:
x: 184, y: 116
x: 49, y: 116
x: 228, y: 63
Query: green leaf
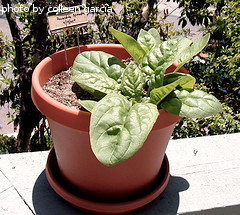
x: 97, y: 72
x: 148, y: 39
x: 158, y: 94
x: 118, y: 130
x: 155, y: 34
x: 87, y: 104
x: 171, y: 77
x: 191, y: 103
x: 130, y: 44
x: 156, y: 61
x: 95, y: 83
x: 193, y: 49
x: 98, y: 62
x: 132, y: 82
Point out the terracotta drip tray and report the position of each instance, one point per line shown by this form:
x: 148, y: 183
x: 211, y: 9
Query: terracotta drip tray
x: 102, y: 207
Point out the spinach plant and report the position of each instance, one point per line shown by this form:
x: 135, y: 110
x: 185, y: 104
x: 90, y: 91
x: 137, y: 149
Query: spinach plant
x: 129, y: 96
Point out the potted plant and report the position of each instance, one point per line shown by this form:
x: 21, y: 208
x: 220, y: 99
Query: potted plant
x: 111, y: 159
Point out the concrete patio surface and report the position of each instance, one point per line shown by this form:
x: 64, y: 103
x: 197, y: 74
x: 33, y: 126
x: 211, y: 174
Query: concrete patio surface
x: 205, y: 177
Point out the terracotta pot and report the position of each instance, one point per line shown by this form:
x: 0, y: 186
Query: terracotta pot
x: 81, y: 172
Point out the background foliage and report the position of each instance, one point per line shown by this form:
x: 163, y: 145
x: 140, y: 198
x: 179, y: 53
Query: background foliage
x: 7, y: 144
x: 220, y: 72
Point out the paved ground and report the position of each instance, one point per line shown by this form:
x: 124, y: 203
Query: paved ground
x: 205, y: 175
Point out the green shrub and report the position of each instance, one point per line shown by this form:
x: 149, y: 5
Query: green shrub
x: 225, y: 122
x: 221, y: 72
x: 7, y: 144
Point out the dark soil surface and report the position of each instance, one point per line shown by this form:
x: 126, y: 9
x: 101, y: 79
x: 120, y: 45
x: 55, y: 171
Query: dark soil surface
x: 60, y: 87
x: 63, y: 90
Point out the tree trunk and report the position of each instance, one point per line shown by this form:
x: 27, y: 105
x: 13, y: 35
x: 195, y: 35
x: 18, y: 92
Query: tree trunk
x: 28, y: 116
x: 143, y: 19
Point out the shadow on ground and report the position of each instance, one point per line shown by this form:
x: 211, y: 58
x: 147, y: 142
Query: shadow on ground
x: 47, y: 202
x: 168, y: 202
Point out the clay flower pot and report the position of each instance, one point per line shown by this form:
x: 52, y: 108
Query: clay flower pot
x: 72, y: 169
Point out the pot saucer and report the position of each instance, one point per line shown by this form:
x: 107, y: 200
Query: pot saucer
x: 94, y: 207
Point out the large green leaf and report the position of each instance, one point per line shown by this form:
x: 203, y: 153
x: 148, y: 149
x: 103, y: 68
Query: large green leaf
x: 148, y: 39
x: 156, y: 61
x: 132, y: 82
x: 98, y: 62
x: 130, y: 44
x: 191, y: 103
x: 118, y: 129
x: 95, y: 83
x: 158, y: 94
x: 193, y: 49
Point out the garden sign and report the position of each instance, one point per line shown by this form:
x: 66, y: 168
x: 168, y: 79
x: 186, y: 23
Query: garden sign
x: 62, y: 18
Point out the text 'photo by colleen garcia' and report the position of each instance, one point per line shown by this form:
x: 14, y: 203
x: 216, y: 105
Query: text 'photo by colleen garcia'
x: 25, y: 8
